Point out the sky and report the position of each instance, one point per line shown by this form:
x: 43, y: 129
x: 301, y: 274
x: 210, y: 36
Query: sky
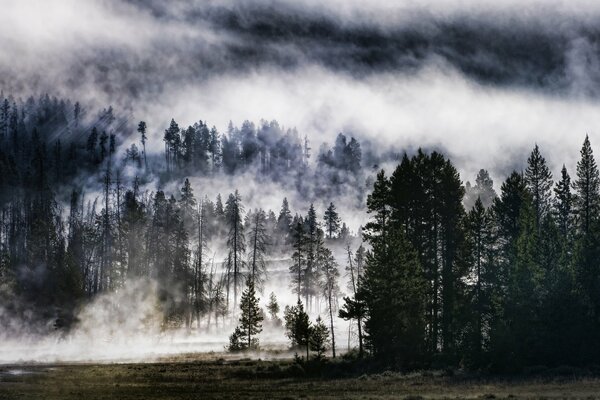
x: 481, y: 81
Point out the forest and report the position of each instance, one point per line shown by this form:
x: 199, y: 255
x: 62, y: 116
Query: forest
x: 443, y: 274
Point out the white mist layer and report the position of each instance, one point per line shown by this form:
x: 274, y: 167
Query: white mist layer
x: 125, y: 326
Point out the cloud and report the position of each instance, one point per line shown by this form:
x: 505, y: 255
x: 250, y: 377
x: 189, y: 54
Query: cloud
x: 482, y: 82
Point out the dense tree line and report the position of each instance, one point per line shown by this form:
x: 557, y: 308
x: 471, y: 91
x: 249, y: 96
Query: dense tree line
x: 510, y: 281
x: 61, y: 246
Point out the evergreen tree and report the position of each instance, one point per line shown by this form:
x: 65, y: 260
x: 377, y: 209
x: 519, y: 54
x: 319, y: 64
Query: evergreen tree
x: 538, y: 179
x: 297, y: 326
x: 319, y: 339
x: 563, y: 203
x: 250, y: 321
x: 587, y: 189
x: 142, y: 130
x: 394, y: 292
x: 329, y: 287
x: 273, y: 309
x: 480, y: 240
x: 332, y: 221
x: 284, y: 221
x: 257, y: 234
x: 298, y: 267
x: 236, y: 243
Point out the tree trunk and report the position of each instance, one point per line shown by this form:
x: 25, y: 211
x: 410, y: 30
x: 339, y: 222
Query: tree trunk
x: 331, y: 323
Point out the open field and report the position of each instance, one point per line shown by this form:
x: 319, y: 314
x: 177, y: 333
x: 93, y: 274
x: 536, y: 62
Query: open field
x: 256, y: 379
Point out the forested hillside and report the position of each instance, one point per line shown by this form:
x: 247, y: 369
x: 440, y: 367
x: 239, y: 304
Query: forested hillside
x: 83, y: 211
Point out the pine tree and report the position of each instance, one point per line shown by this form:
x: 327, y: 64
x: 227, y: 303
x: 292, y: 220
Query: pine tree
x: 314, y: 243
x: 273, y: 309
x: 319, y: 339
x: 284, y: 221
x: 256, y: 223
x: 538, y: 179
x: 298, y: 267
x: 142, y: 130
x: 587, y: 189
x: 329, y: 287
x: 480, y: 240
x: 332, y: 221
x: 250, y: 321
x: 563, y: 203
x: 236, y: 243
x: 378, y: 205
x: 297, y: 326
x: 394, y: 292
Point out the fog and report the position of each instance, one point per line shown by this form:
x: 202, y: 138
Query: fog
x: 482, y: 83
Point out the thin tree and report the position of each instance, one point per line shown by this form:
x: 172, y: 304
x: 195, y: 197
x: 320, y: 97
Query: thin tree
x: 257, y: 229
x: 332, y: 221
x: 236, y: 242
x: 142, y: 130
x: 329, y: 287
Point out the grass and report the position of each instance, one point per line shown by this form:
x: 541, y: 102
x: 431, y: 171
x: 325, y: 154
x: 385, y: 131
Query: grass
x: 255, y: 379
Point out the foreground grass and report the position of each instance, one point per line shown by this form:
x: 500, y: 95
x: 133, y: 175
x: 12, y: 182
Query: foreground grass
x: 255, y: 379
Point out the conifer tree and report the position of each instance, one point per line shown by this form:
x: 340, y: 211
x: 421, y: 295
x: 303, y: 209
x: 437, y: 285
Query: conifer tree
x: 273, y: 309
x: 284, y: 221
x: 298, y: 267
x: 319, y: 339
x: 236, y: 243
x: 250, y: 321
x: 297, y: 326
x: 142, y: 130
x: 332, y: 221
x: 563, y: 203
x: 329, y: 287
x: 538, y: 179
x: 394, y: 292
x: 587, y: 189
x: 258, y: 241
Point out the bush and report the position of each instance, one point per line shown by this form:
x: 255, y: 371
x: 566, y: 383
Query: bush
x: 294, y: 371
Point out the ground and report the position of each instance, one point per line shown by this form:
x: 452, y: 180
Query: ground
x: 217, y: 378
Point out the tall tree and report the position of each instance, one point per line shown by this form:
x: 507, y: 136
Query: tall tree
x: 236, y: 243
x: 538, y: 179
x: 329, y: 287
x: 256, y: 223
x: 563, y: 203
x: 142, y: 130
x: 332, y: 221
x: 587, y: 189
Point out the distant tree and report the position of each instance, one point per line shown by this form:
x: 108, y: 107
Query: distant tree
x: 332, y: 221
x: 76, y: 113
x: 284, y: 221
x: 92, y: 140
x: 483, y: 189
x: 142, y: 130
x: 273, y: 309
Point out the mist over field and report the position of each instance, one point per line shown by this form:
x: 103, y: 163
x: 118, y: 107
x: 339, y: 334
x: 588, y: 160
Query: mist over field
x: 113, y: 243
